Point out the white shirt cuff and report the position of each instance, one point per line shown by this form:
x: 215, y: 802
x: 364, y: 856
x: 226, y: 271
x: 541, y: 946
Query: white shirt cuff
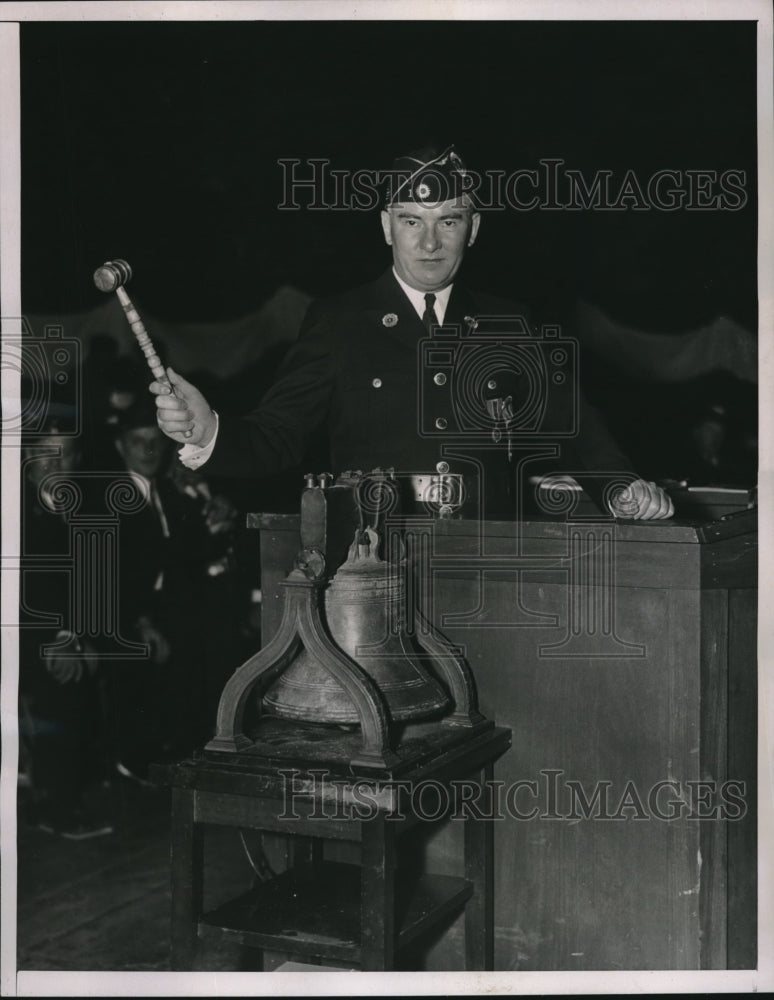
x: 192, y: 456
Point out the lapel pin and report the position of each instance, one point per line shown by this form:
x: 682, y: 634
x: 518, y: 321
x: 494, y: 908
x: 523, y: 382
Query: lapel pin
x: 472, y: 323
x: 389, y: 319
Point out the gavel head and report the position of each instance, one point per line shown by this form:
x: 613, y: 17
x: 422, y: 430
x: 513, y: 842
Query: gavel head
x: 112, y: 274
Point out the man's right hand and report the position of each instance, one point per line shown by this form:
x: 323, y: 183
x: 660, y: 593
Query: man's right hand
x: 183, y: 410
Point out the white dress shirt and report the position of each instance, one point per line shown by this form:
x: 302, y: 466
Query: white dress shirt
x: 417, y: 298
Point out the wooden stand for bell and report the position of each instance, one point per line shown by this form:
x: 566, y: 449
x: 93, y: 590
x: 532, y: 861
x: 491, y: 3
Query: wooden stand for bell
x: 303, y: 781
x: 377, y: 744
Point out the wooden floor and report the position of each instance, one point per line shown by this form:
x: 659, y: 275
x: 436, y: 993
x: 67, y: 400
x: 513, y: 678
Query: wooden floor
x: 103, y: 904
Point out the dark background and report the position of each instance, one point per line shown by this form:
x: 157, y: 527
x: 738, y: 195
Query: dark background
x: 159, y: 143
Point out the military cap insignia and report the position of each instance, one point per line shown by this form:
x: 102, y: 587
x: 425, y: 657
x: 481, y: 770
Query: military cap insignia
x: 428, y: 176
x: 389, y: 319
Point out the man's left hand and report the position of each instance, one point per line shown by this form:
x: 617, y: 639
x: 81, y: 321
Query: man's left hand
x: 220, y: 515
x: 642, y: 501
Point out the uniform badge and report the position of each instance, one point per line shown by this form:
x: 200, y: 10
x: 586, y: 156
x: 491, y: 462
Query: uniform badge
x: 472, y: 322
x: 389, y: 319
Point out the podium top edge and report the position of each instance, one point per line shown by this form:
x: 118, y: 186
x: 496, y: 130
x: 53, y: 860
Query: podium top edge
x: 673, y: 530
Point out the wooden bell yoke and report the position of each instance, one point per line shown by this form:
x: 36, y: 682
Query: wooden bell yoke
x: 328, y: 513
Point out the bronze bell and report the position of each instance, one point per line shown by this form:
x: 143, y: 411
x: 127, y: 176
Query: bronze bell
x: 365, y: 609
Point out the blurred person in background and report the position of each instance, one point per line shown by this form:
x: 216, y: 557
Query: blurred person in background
x: 175, y: 597
x: 58, y: 692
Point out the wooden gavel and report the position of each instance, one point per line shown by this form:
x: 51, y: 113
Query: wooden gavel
x: 112, y: 277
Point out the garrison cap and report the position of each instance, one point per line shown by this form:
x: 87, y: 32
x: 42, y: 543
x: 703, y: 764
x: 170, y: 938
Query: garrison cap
x: 141, y: 413
x: 428, y: 176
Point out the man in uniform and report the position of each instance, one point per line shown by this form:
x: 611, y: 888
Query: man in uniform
x: 355, y: 367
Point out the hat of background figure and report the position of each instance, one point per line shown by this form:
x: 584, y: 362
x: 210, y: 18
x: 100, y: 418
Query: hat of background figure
x: 127, y: 374
x: 124, y: 384
x: 50, y: 419
x: 428, y: 176
x: 142, y: 413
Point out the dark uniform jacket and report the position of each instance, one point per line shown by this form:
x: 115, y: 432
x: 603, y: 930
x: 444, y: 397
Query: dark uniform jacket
x: 360, y: 368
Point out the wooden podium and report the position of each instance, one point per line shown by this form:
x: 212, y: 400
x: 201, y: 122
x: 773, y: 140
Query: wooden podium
x: 623, y: 657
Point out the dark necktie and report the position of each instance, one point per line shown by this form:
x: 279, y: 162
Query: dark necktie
x: 428, y: 317
x: 158, y: 507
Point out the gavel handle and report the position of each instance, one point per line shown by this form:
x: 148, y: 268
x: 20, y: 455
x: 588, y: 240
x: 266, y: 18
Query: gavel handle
x: 143, y: 339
